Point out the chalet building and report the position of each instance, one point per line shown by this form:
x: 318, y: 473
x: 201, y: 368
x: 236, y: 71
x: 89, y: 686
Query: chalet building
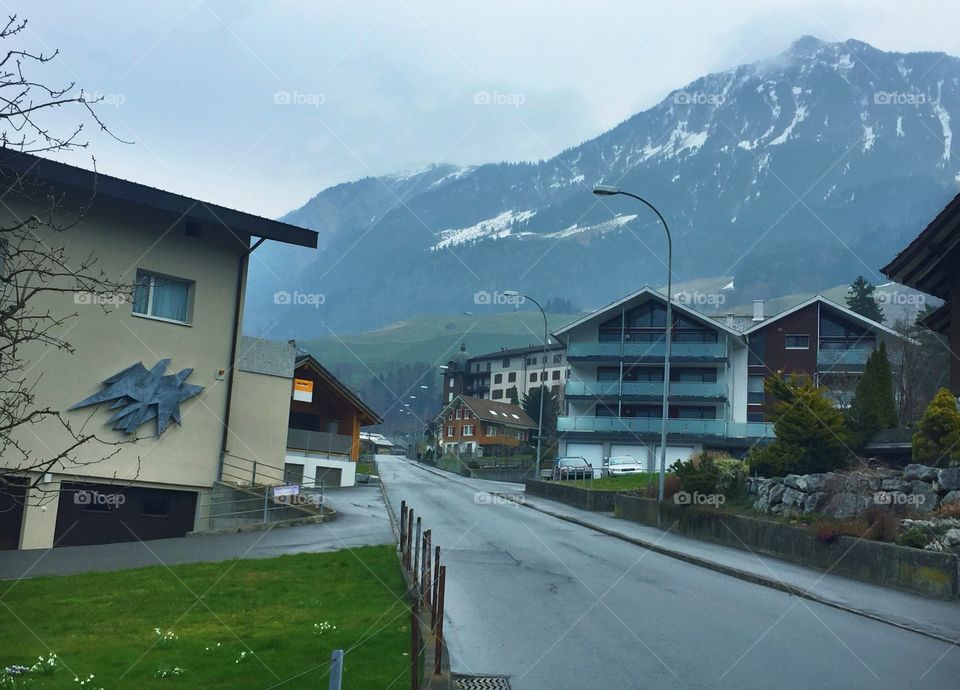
x: 614, y: 391
x: 473, y: 426
x: 492, y: 376
x: 931, y: 264
x: 161, y: 365
x: 819, y: 338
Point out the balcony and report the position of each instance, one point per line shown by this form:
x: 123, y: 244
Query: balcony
x: 319, y: 442
x: 633, y: 351
x: 847, y: 360
x: 678, y: 427
x: 679, y: 390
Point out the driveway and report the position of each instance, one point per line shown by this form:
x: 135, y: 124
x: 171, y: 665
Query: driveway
x: 553, y: 604
x: 362, y: 521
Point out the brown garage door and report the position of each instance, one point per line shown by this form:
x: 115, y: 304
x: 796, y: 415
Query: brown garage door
x: 13, y: 492
x: 107, y: 514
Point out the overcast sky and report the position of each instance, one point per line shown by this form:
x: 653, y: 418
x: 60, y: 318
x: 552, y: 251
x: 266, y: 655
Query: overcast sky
x: 259, y: 105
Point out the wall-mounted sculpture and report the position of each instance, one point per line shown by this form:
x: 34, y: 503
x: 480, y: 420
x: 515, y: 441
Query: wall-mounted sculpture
x: 140, y: 395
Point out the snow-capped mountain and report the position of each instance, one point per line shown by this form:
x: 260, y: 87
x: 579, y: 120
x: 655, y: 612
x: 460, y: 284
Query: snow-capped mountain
x: 793, y: 174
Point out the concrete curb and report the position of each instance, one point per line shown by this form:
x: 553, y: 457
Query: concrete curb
x: 747, y: 576
x: 328, y: 515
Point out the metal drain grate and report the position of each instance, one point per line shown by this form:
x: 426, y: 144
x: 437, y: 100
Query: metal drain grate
x: 481, y: 683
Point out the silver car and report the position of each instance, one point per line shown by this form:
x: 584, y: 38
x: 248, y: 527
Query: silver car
x: 616, y: 465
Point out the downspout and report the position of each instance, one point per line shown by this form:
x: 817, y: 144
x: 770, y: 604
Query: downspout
x: 238, y: 310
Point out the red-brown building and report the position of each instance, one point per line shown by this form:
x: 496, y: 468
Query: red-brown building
x: 466, y: 425
x: 931, y: 264
x: 818, y: 337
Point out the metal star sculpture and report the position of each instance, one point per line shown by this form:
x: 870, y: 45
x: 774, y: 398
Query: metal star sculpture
x: 140, y: 395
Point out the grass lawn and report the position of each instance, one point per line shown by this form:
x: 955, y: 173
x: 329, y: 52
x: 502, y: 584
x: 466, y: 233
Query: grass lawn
x: 366, y: 467
x: 258, y: 622
x: 624, y: 482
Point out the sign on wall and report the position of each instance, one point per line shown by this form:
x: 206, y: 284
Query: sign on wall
x: 303, y: 390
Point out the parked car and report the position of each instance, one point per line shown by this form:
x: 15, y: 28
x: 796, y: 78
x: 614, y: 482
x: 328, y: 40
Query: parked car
x: 572, y: 467
x: 616, y: 465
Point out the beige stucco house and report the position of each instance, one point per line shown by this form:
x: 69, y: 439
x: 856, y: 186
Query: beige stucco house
x: 188, y: 261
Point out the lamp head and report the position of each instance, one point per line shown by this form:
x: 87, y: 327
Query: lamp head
x: 605, y: 190
x: 510, y: 293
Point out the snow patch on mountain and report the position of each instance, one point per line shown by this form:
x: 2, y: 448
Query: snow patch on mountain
x: 499, y: 226
x: 612, y: 224
x: 944, y: 118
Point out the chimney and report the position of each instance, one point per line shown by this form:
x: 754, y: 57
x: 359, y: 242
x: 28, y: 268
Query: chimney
x: 729, y: 319
x: 758, y: 310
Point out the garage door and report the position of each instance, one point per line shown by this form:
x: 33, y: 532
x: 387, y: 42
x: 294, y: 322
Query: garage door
x: 107, y: 514
x: 13, y: 495
x: 637, y: 452
x: 674, y: 453
x: 591, y: 452
x: 330, y: 476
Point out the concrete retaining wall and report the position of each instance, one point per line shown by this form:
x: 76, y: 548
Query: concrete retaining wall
x: 571, y: 495
x: 924, y: 572
x: 504, y: 474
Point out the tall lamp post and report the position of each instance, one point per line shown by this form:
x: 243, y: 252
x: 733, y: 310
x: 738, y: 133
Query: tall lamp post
x: 607, y: 190
x: 543, y: 371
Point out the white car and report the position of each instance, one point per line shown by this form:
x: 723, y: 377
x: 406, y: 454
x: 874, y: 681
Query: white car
x: 616, y: 465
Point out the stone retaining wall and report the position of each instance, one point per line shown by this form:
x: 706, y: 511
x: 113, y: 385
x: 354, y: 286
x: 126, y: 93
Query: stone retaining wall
x: 586, y: 499
x: 924, y: 572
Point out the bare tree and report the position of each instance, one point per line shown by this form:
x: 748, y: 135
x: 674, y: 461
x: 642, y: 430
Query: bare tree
x: 35, y: 266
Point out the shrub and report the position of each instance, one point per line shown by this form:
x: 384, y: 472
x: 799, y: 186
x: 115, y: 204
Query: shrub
x: 914, y: 537
x: 937, y: 441
x: 710, y: 472
x: 809, y: 430
x: 949, y: 511
x: 873, y: 407
x: 882, y: 524
x: 671, y: 485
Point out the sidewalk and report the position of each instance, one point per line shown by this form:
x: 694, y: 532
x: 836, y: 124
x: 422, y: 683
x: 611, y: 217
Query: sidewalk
x: 935, y: 618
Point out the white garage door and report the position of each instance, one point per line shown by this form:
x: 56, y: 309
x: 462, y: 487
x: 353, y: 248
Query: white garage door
x: 638, y: 453
x: 675, y: 453
x: 591, y: 452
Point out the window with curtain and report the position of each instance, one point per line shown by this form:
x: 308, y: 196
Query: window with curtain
x: 162, y: 297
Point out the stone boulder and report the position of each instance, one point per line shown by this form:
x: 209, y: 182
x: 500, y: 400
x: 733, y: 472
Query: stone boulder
x: 893, y: 484
x: 792, y: 498
x: 949, y: 479
x: 776, y: 493
x: 847, y: 505
x: 952, y: 498
x: 813, y: 501
x: 924, y: 473
x: 923, y: 498
x: 951, y: 538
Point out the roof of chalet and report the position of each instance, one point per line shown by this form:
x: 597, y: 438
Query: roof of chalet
x: 376, y: 439
x: 928, y: 261
x: 516, y: 351
x: 16, y: 166
x: 493, y: 411
x: 849, y: 313
x: 308, y: 360
x: 682, y: 308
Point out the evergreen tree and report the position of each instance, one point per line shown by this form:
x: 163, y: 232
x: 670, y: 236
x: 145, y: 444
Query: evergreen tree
x: 873, y: 407
x: 513, y: 396
x: 551, y: 404
x: 937, y: 441
x: 810, y: 434
x: 860, y: 299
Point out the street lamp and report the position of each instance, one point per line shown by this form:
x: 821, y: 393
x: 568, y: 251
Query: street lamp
x: 608, y: 190
x: 543, y: 371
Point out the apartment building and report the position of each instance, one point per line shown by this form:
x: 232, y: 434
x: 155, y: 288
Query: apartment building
x: 502, y: 374
x: 614, y: 392
x: 819, y: 338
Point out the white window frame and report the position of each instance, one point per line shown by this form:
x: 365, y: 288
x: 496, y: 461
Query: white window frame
x: 153, y: 275
x: 466, y: 430
x: 458, y: 414
x: 449, y: 432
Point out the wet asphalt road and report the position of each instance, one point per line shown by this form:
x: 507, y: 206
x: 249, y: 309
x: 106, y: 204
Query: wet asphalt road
x: 556, y: 605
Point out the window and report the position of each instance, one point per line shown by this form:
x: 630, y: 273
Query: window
x: 758, y: 343
x: 531, y: 361
x: 533, y: 377
x: 449, y: 431
x: 556, y: 375
x: 507, y: 362
x: 468, y: 429
x: 459, y: 414
x: 498, y: 378
x: 488, y: 366
x: 512, y: 377
x: 755, y: 390
x: 490, y: 430
x: 497, y: 394
x: 755, y: 417
x: 466, y: 414
x: 557, y: 358
x: 450, y: 397
x: 797, y: 342
x: 555, y: 389
x: 162, y: 297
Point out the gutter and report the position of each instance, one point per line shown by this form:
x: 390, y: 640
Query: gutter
x: 237, y: 312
